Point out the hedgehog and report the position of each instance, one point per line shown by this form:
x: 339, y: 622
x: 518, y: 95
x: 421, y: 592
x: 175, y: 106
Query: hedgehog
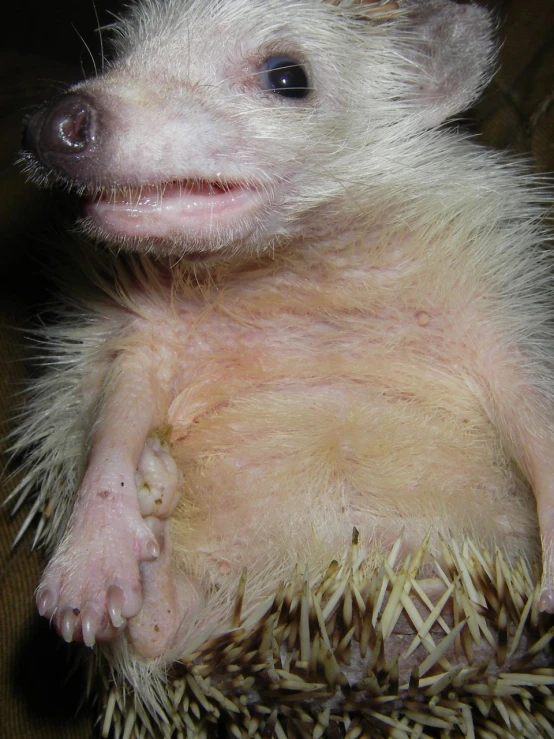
x: 295, y: 305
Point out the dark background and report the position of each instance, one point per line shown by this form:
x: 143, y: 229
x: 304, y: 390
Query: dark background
x: 42, y: 52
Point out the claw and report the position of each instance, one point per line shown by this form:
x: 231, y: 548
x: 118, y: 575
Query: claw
x: 91, y: 623
x: 546, y: 600
x: 148, y: 548
x: 115, y: 601
x: 46, y: 603
x: 152, y: 550
x: 68, y: 623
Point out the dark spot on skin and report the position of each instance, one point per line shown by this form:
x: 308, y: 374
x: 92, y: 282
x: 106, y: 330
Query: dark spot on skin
x: 122, y: 484
x: 76, y: 611
x: 103, y: 494
x: 158, y: 501
x: 156, y: 628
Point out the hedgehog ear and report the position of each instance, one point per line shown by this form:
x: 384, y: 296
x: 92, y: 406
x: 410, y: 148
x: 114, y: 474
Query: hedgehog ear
x: 448, y: 49
x: 450, y: 56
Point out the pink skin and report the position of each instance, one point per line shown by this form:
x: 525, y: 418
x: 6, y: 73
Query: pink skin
x: 93, y: 586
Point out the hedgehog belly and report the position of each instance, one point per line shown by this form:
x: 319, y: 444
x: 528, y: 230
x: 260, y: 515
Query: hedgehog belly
x: 276, y: 480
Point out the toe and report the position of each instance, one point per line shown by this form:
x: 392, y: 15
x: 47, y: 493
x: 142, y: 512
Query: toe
x: 123, y: 603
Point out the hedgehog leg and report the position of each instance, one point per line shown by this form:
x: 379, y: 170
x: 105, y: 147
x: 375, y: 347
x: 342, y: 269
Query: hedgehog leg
x: 158, y: 484
x: 93, y: 585
x: 153, y: 629
x: 544, y: 492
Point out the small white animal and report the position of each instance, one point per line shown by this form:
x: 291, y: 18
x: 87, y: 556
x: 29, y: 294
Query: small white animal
x: 319, y: 309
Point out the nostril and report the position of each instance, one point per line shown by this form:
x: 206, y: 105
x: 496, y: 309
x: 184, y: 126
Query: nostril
x: 72, y: 126
x: 66, y: 126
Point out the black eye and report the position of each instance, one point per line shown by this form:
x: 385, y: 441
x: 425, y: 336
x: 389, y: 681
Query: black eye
x: 286, y: 76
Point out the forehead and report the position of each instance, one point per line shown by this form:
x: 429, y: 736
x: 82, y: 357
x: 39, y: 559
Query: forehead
x: 194, y: 22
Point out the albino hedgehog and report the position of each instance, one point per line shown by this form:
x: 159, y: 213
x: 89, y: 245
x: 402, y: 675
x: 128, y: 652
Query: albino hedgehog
x: 319, y: 310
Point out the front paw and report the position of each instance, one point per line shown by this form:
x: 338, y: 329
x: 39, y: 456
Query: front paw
x: 93, y: 583
x: 158, y: 479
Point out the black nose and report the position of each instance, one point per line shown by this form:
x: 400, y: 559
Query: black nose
x: 63, y: 129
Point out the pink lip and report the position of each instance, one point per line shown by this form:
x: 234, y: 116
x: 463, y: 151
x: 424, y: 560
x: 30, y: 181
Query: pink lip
x: 186, y: 206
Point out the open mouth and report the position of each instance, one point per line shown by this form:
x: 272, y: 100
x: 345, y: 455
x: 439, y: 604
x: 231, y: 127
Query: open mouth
x: 192, y: 206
